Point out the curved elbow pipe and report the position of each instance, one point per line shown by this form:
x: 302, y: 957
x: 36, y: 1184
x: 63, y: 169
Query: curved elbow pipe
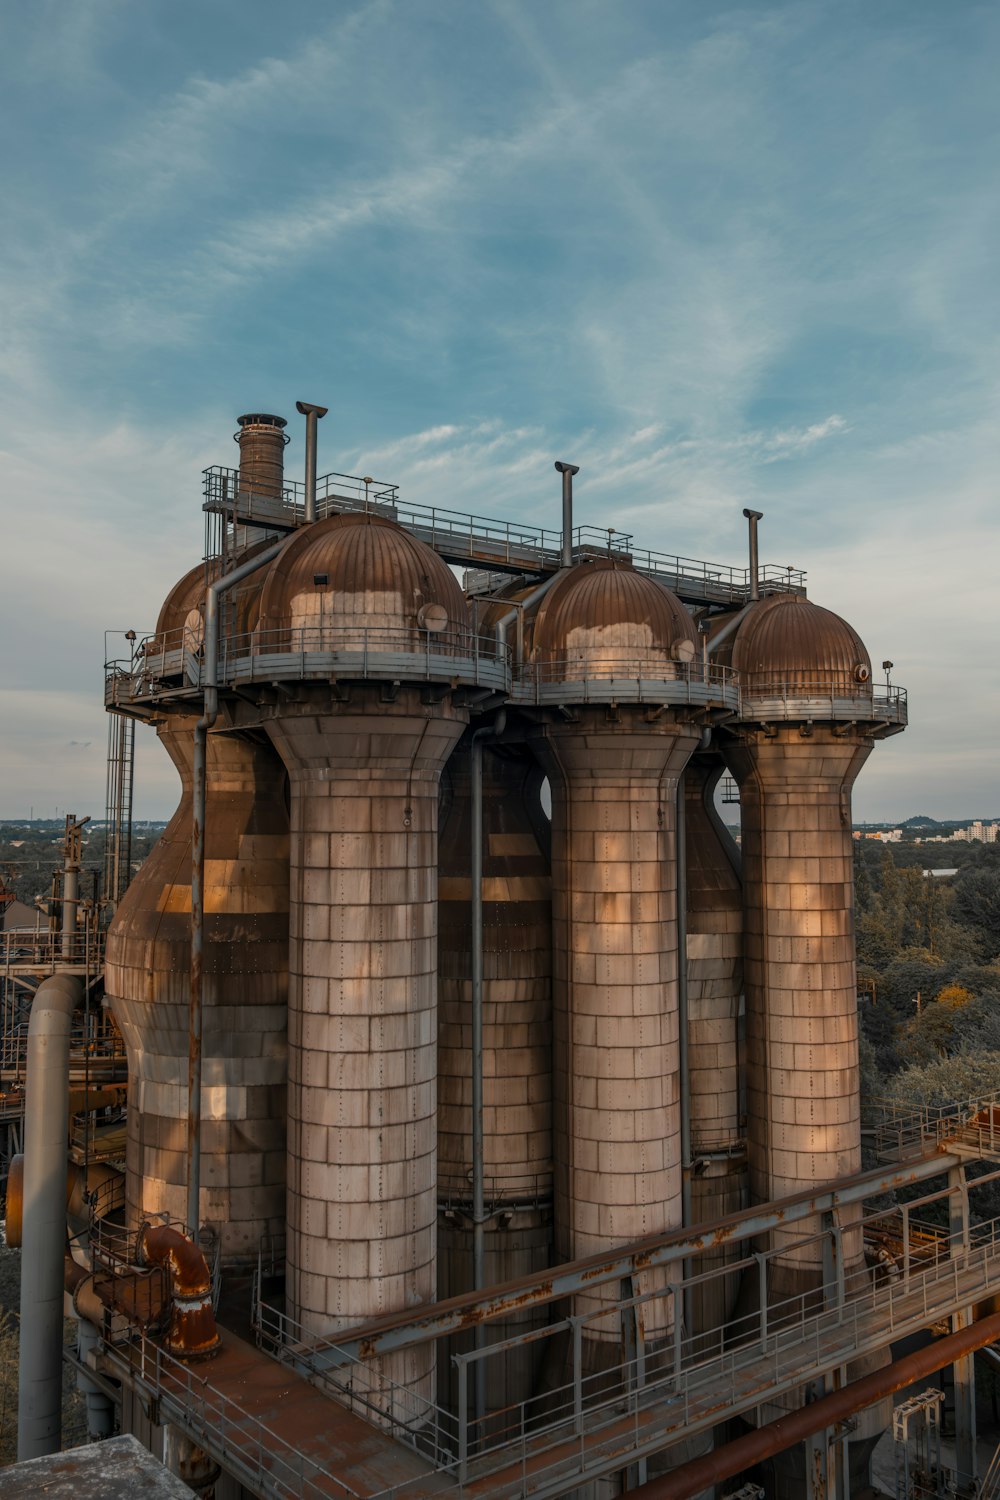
x: 192, y: 1333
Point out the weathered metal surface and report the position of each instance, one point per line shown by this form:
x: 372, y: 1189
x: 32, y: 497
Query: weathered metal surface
x: 604, y: 611
x: 517, y: 1046
x: 245, y: 978
x: 362, y: 572
x: 786, y: 640
x: 615, y: 1039
x: 192, y: 1334
x: 715, y: 986
x: 403, y: 1329
x: 119, y: 1468
x: 262, y: 440
x: 362, y: 1202
x: 857, y: 1396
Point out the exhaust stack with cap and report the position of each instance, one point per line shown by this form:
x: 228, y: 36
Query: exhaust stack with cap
x: 753, y: 516
x: 312, y: 415
x: 567, y: 471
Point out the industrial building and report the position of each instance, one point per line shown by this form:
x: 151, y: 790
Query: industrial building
x: 488, y: 1122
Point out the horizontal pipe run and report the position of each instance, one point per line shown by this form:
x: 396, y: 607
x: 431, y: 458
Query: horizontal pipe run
x: 753, y: 1447
x: 401, y: 1330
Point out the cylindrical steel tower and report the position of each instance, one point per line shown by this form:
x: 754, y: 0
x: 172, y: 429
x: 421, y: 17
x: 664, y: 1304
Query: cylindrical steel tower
x: 806, y: 728
x: 262, y: 457
x: 517, y: 1045
x: 364, y: 737
x: 604, y: 635
x: 715, y: 991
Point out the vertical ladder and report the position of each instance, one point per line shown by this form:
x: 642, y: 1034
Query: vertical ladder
x: 118, y: 805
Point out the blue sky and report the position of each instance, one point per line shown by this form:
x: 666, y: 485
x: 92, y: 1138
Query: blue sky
x: 717, y: 255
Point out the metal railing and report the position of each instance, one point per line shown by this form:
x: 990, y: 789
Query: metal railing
x: 250, y: 1449
x: 903, y: 1131
x: 37, y: 948
x: 676, y: 1382
x: 462, y: 536
x: 821, y: 696
x: 321, y: 650
x: 639, y: 675
x: 172, y: 662
x: 990, y: 1484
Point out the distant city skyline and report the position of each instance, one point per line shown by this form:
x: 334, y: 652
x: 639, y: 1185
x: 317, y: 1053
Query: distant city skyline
x: 717, y: 256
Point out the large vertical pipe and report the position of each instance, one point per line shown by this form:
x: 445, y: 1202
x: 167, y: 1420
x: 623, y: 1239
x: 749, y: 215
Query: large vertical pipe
x: 70, y: 908
x: 312, y: 415
x: 478, y: 1196
x: 567, y: 471
x: 46, y: 1127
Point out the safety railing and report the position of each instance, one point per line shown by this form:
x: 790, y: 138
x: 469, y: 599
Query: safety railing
x: 38, y: 948
x: 637, y: 675
x: 726, y: 584
x: 248, y: 1448
x: 905, y: 1130
x: 500, y: 1189
x: 319, y: 650
x: 989, y: 1488
x: 463, y: 536
x: 820, y: 696
x: 635, y: 1374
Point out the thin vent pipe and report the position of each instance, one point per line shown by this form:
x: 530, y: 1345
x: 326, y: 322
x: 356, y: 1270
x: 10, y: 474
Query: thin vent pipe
x: 312, y: 415
x: 567, y: 471
x: 753, y: 516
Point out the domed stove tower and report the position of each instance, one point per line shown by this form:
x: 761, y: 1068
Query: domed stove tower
x: 361, y: 615
x: 611, y: 660
x: 807, y: 723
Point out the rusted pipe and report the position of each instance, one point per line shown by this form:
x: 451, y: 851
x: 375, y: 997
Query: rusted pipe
x: 753, y: 1447
x: 192, y: 1333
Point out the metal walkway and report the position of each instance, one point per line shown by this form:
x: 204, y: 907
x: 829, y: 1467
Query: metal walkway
x: 278, y: 1435
x: 482, y: 542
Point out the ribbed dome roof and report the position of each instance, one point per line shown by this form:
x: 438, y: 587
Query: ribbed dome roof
x: 788, y: 638
x: 188, y: 594
x: 608, y: 605
x: 361, y: 570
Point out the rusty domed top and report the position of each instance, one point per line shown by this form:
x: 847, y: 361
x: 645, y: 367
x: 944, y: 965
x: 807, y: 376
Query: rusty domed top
x: 362, y: 572
x: 787, y: 642
x: 606, y: 617
x: 184, y: 605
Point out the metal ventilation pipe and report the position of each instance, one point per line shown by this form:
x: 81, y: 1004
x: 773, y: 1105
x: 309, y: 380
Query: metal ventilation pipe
x: 567, y: 471
x: 312, y: 415
x: 46, y: 1127
x: 753, y: 516
x: 262, y: 443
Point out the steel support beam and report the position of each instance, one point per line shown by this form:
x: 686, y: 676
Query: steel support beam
x: 964, y: 1368
x: 401, y: 1330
